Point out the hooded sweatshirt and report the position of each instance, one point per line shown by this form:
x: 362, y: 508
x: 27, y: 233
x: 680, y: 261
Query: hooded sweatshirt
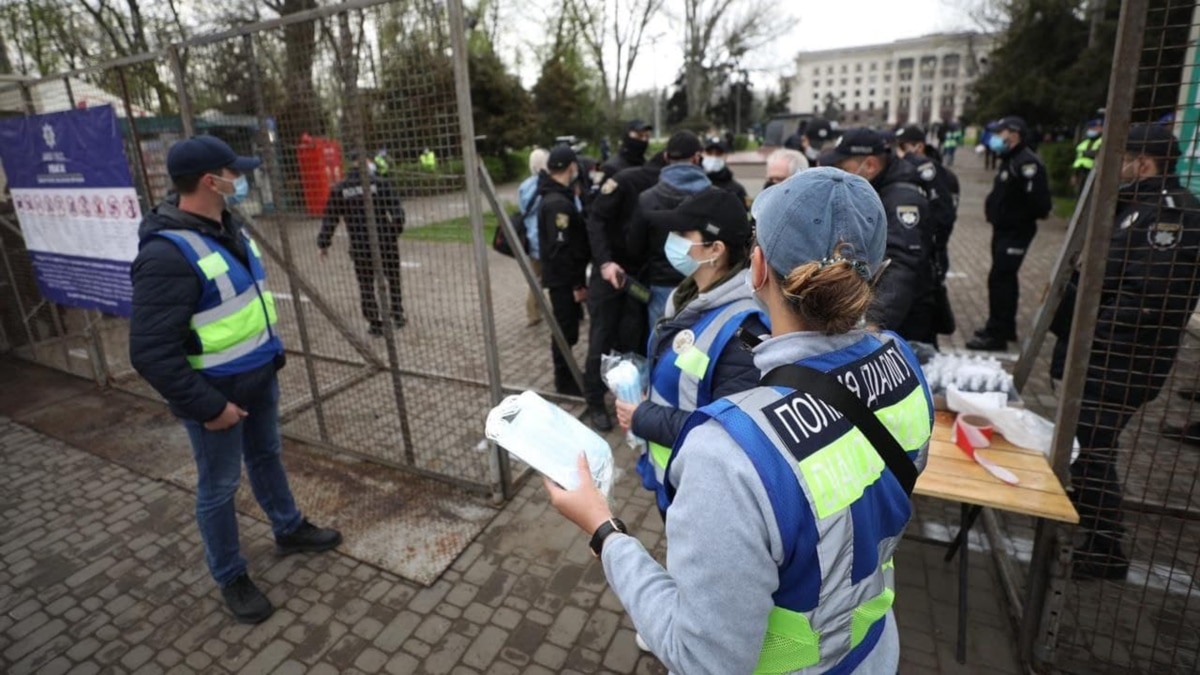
x: 706, y: 612
x: 676, y: 182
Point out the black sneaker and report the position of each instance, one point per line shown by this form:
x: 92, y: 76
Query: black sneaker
x: 598, y: 417
x: 248, y: 604
x: 399, y: 320
x: 983, y: 332
x: 989, y: 343
x: 307, y: 538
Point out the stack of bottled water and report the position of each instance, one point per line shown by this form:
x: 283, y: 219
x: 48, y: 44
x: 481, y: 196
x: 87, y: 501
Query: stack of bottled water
x: 979, y: 374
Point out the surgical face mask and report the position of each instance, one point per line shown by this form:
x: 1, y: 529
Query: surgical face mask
x: 812, y: 153
x: 996, y: 144
x: 1092, y: 133
x: 678, y: 251
x: 754, y: 291
x: 713, y: 164
x: 241, y: 188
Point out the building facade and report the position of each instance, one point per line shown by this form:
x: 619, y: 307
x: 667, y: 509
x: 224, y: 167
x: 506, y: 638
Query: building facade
x: 920, y: 80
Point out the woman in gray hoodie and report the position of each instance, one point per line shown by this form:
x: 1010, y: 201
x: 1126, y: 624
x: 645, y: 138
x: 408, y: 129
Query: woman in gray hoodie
x: 784, y: 517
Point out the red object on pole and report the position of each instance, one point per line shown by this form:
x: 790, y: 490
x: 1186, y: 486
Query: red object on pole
x: 320, y: 162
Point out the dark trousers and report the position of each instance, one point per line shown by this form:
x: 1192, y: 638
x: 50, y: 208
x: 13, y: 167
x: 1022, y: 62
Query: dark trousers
x: 364, y: 271
x: 1008, y: 252
x: 1097, y: 487
x: 618, y: 323
x: 568, y: 314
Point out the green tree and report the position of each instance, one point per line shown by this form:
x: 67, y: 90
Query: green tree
x: 501, y: 105
x: 779, y: 102
x: 563, y: 95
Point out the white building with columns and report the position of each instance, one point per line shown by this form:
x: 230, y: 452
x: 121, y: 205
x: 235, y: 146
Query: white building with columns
x: 919, y: 80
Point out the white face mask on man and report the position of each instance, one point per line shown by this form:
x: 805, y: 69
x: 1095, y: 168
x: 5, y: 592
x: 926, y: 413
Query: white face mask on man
x: 713, y: 164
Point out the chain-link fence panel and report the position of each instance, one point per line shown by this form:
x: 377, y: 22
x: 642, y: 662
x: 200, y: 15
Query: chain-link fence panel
x: 1124, y: 596
x: 360, y: 210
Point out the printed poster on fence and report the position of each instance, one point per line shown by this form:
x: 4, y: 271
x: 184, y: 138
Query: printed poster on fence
x: 76, y: 204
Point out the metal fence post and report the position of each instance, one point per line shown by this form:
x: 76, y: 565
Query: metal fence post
x: 1121, y: 88
x: 462, y: 86
x: 181, y: 90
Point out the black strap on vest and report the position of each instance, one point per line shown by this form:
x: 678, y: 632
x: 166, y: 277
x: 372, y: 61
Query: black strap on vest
x: 827, y: 388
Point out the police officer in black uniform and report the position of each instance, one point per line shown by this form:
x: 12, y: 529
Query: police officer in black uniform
x: 1151, y: 285
x: 562, y: 234
x: 632, y: 152
x: 718, y: 170
x: 617, y: 319
x: 1019, y: 198
x: 942, y: 189
x: 904, y: 294
x: 347, y: 203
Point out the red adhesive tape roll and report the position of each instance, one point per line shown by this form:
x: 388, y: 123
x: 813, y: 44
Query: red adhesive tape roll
x: 972, y: 432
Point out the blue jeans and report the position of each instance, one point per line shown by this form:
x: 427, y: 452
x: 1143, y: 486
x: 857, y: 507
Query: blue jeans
x: 658, y: 304
x: 219, y: 456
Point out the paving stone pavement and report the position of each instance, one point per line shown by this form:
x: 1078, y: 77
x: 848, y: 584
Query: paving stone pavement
x: 101, y: 570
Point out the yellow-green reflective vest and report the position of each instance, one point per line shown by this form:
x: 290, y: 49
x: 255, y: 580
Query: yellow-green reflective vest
x: 1085, y: 154
x: 235, y: 317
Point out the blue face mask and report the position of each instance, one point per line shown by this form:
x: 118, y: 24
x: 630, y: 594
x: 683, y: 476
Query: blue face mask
x: 241, y: 188
x: 997, y: 144
x: 677, y: 250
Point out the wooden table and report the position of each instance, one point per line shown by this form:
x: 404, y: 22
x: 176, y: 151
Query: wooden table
x: 951, y: 475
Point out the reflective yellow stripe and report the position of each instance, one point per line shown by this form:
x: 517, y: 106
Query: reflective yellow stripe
x: 908, y: 420
x: 838, y: 474
x: 254, y: 249
x: 890, y: 564
x: 866, y: 614
x: 693, y: 362
x: 661, y: 454
x: 790, y: 643
x: 213, y: 265
x: 242, y: 325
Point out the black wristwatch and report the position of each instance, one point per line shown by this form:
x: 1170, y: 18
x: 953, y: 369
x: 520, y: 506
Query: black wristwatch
x: 610, y: 526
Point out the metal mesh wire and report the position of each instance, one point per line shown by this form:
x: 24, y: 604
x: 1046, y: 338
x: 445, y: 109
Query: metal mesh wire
x: 1136, y: 481
x: 317, y: 99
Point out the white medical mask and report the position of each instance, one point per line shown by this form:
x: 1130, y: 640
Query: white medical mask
x: 713, y: 164
x: 754, y: 291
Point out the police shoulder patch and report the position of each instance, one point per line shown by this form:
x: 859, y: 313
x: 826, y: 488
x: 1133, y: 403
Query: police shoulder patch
x: 609, y: 187
x: 562, y: 220
x: 1164, y: 236
x: 908, y: 216
x: 1029, y: 170
x: 928, y: 172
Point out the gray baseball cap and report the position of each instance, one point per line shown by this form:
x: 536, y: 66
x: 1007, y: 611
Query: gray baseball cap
x: 802, y: 220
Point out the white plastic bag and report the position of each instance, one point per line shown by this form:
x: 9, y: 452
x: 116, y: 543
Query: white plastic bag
x: 549, y: 439
x: 626, y: 377
x: 1023, y: 428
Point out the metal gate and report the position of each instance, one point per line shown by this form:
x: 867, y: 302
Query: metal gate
x: 313, y: 93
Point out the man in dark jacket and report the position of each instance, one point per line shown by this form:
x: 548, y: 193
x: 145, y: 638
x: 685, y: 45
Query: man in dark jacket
x: 347, y: 203
x: 563, y: 238
x: 632, y: 152
x: 679, y: 179
x: 904, y: 295
x: 719, y: 173
x: 1019, y: 198
x: 617, y: 319
x: 202, y: 334
x: 1151, y: 285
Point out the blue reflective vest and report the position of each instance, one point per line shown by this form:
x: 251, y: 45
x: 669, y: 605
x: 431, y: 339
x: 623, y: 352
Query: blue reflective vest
x: 234, y: 320
x: 839, y: 511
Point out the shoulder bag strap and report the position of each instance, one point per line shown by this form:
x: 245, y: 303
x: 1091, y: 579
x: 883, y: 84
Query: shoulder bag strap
x: 827, y: 388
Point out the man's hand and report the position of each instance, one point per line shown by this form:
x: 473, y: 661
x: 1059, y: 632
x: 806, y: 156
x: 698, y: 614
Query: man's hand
x: 581, y: 295
x: 613, y: 274
x: 228, y: 418
x: 585, y: 506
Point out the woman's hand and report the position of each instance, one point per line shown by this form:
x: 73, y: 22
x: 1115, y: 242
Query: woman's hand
x: 625, y: 414
x: 585, y: 506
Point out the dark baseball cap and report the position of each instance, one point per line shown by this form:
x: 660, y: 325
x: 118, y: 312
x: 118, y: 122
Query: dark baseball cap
x: 804, y: 218
x: 910, y: 134
x: 718, y: 212
x: 715, y: 143
x: 1012, y: 123
x: 638, y: 125
x: 560, y: 158
x: 203, y: 154
x: 859, y: 142
x: 819, y: 129
x: 1152, y: 140
x: 683, y: 145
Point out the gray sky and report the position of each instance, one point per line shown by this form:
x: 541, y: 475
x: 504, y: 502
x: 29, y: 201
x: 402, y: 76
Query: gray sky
x: 816, y: 25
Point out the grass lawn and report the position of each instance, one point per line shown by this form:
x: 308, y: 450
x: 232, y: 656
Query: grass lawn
x: 457, y: 230
x: 1064, y: 207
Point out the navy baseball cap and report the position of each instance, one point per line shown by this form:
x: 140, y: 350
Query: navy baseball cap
x: 683, y: 145
x: 1152, y: 140
x: 718, y: 212
x: 911, y: 134
x: 561, y: 157
x: 714, y: 143
x: 1012, y: 123
x: 203, y: 154
x: 819, y: 129
x: 804, y: 218
x: 860, y: 142
x: 639, y: 125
